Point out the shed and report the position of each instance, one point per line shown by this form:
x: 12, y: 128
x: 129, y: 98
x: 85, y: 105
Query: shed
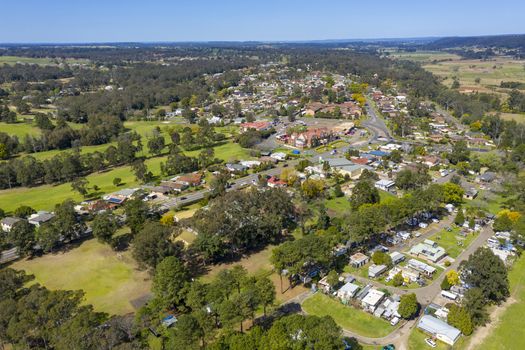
x: 439, y: 329
x: 376, y: 270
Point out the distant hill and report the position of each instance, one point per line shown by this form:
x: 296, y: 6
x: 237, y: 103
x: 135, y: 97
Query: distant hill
x: 511, y: 41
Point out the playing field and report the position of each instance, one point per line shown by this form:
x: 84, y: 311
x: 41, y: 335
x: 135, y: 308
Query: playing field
x: 347, y: 317
x: 109, y: 279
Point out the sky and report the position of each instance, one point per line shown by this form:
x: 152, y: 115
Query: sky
x: 77, y: 21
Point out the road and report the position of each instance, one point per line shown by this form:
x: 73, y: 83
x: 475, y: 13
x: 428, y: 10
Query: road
x: 425, y: 295
x: 376, y: 125
x: 192, y: 197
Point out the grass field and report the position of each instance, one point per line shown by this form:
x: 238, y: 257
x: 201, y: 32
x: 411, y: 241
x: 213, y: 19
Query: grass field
x: 491, y: 72
x: 34, y: 60
x: 519, y: 117
x: 109, y: 279
x: 46, y: 196
x: 347, y: 317
x: 19, y: 129
x: 507, y: 334
x: 450, y: 240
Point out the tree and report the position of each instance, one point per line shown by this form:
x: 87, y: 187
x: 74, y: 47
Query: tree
x: 460, y: 153
x: 156, y: 144
x: 80, y: 185
x: 66, y: 222
x: 408, y: 306
x: 141, y: 171
x: 398, y: 279
x: 117, y: 181
x: 186, y: 333
x: 24, y: 211
x: 453, y: 193
x: 168, y: 219
x: 381, y: 258
x: 460, y: 217
x: 486, y: 271
x: 152, y: 244
x: 104, y: 227
x: 265, y: 292
x: 364, y: 193
x: 338, y: 193
x: 22, y: 236
x: 459, y: 317
x: 502, y: 223
x: 332, y: 278
x: 168, y: 282
x: 452, y: 277
x: 445, y: 284
x: 312, y: 188
x: 137, y: 212
x: 474, y: 302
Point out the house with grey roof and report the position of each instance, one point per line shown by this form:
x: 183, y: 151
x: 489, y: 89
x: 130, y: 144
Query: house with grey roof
x: 439, y: 329
x: 40, y: 218
x: 7, y: 223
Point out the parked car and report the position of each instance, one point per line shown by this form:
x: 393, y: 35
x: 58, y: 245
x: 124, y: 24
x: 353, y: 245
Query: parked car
x: 394, y: 321
x: 389, y: 347
x: 430, y: 342
x: 423, y: 225
x: 417, y: 234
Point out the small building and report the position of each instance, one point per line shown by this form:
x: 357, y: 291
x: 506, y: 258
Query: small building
x: 397, y: 257
x: 376, y: 270
x: 385, y: 185
x: 470, y: 194
x: 276, y: 182
x: 193, y: 179
x: 359, y: 259
x: 279, y: 156
x: 347, y: 291
x: 421, y: 267
x: 488, y: 176
x: 372, y: 299
x: 439, y: 329
x: 257, y: 125
x: 236, y: 168
x: 7, y: 223
x: 429, y: 250
x: 121, y: 196
x: 40, y: 218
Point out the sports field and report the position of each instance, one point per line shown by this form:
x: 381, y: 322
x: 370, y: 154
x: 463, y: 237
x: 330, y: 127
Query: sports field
x: 110, y: 279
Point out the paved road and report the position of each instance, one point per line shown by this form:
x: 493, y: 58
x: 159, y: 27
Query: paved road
x: 425, y: 295
x: 376, y: 125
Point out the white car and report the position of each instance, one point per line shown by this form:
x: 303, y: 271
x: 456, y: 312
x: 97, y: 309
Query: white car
x: 394, y: 321
x: 417, y: 234
x: 423, y: 225
x: 430, y: 342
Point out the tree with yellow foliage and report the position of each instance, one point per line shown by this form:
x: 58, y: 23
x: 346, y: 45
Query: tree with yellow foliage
x: 168, y: 219
x: 452, y: 277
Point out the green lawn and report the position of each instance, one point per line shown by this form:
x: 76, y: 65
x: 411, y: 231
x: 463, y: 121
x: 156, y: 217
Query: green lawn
x: 109, y: 279
x: 450, y: 240
x: 507, y: 334
x: 340, y: 205
x: 46, y: 196
x: 488, y: 201
x: 20, y: 129
x: 347, y: 317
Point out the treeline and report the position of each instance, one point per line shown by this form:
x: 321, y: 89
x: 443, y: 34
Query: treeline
x: 66, y: 166
x: 32, y: 73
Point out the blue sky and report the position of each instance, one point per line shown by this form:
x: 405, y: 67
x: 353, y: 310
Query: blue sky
x: 207, y: 20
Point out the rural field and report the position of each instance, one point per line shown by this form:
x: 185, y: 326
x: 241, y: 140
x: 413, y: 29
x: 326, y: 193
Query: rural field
x: 490, y: 72
x: 37, y: 60
x: 110, y: 279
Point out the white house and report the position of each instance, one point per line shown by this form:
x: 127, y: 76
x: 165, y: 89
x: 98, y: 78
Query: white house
x: 385, y: 185
x: 439, y: 329
x: 372, y: 300
x: 376, y: 270
x: 347, y: 291
x: 280, y: 156
x: 7, y: 223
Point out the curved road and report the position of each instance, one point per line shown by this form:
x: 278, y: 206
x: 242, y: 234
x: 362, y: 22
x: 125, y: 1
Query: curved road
x: 425, y: 295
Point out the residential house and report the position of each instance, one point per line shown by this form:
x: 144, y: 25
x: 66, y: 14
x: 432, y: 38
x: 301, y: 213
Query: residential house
x: 429, y: 250
x: 121, y: 196
x: 174, y: 186
x: 235, y: 168
x: 372, y: 299
x: 376, y: 270
x: 257, y: 125
x: 421, y: 267
x: 7, y: 223
x: 407, y: 274
x: 193, y: 179
x: 385, y: 185
x: 359, y: 259
x: 397, y: 257
x: 347, y: 167
x: 40, y: 218
x: 488, y: 176
x: 279, y: 156
x: 470, y: 194
x: 439, y: 329
x: 347, y: 291
x: 276, y: 182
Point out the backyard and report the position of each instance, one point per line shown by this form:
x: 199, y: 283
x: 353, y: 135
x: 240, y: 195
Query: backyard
x: 347, y: 317
x: 453, y: 242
